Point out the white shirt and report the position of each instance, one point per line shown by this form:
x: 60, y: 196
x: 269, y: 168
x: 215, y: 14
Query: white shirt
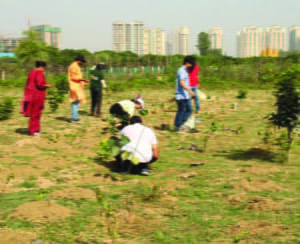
x: 128, y: 106
x: 141, y: 143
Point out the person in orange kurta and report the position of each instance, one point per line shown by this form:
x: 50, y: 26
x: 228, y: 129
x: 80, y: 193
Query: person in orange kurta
x: 76, y: 83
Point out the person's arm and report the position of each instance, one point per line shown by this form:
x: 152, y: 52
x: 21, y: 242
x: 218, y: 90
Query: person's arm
x: 41, y: 81
x: 74, y: 72
x: 155, y: 151
x: 183, y: 85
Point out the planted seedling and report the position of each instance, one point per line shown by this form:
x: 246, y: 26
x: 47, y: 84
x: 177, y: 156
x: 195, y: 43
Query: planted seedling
x: 6, y: 108
x: 144, y: 112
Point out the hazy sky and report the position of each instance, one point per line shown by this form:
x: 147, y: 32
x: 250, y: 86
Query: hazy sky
x: 87, y: 23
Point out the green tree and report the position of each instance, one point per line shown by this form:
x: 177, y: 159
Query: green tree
x: 203, y: 43
x: 215, y: 52
x: 31, y: 49
x: 288, y: 106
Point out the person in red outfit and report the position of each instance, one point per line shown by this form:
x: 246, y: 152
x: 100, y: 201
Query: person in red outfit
x: 194, y: 84
x: 34, y: 97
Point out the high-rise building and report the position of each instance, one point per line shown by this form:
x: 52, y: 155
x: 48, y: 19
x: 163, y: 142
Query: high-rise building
x: 119, y: 36
x: 216, y: 38
x: 49, y: 35
x: 170, y: 45
x: 275, y: 38
x: 129, y: 37
x: 183, y: 39
x: 294, y: 38
x: 8, y: 45
x: 250, y: 42
x: 155, y: 42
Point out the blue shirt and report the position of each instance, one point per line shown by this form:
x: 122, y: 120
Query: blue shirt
x: 181, y: 93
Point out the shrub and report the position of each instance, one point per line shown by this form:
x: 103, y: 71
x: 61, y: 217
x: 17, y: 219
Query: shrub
x: 62, y: 84
x: 55, y: 98
x: 6, y: 108
x: 242, y: 94
x: 288, y: 108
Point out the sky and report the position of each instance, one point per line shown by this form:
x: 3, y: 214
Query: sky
x: 88, y: 23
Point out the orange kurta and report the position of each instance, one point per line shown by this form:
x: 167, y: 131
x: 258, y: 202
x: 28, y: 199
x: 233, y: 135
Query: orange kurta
x: 76, y: 89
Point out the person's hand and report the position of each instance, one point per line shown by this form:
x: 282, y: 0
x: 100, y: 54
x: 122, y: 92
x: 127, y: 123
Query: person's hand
x: 49, y: 86
x: 193, y: 95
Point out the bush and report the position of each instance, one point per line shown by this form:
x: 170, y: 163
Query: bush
x: 242, y: 94
x: 62, y: 84
x: 55, y: 98
x: 6, y: 108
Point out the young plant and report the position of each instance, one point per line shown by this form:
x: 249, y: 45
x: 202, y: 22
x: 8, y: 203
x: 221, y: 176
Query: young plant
x: 111, y: 147
x: 62, y: 85
x: 144, y: 112
x: 55, y: 98
x: 288, y: 107
x: 242, y: 94
x: 6, y: 108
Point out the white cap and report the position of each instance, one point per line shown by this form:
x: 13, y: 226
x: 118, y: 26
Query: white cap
x: 140, y: 101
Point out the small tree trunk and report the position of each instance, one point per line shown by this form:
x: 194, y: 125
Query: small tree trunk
x: 290, y: 141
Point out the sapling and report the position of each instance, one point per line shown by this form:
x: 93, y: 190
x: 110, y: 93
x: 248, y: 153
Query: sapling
x: 55, y: 98
x: 242, y: 94
x: 6, y: 108
x: 288, y: 107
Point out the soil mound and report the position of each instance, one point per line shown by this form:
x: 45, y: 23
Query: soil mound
x: 257, y: 228
x: 260, y: 170
x: 41, y: 211
x: 74, y: 193
x: 15, y: 237
x: 258, y: 185
x: 254, y: 203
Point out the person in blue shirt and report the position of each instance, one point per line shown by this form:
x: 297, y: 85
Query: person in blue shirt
x: 184, y: 94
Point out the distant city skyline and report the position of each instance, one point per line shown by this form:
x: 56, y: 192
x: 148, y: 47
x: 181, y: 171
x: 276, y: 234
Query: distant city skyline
x: 84, y: 27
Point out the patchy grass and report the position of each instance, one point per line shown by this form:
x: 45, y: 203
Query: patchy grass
x: 240, y: 195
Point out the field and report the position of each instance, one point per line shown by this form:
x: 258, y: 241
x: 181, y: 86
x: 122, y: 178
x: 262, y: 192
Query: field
x: 55, y: 188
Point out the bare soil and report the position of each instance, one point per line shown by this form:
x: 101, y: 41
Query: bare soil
x: 8, y: 236
x: 41, y: 211
x: 74, y: 193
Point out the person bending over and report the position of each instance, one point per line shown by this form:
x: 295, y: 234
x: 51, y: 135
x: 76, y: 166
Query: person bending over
x: 143, y: 146
x: 125, y: 109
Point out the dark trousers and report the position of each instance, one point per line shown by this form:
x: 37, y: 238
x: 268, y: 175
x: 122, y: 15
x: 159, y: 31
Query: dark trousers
x: 96, y: 95
x: 128, y: 166
x: 184, y: 112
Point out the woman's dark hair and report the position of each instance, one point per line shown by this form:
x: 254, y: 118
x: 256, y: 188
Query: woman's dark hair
x: 39, y: 64
x: 189, y: 60
x: 136, y: 120
x: 100, y: 67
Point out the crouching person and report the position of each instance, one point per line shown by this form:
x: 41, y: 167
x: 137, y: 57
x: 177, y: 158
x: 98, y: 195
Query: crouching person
x: 142, y: 147
x: 124, y: 110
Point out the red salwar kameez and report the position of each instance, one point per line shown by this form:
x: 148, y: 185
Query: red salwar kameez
x: 34, y: 99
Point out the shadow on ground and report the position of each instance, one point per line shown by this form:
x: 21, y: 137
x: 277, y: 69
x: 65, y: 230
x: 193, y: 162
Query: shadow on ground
x: 65, y: 119
x: 111, y: 165
x: 84, y: 113
x: 22, y: 131
x: 251, y: 154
